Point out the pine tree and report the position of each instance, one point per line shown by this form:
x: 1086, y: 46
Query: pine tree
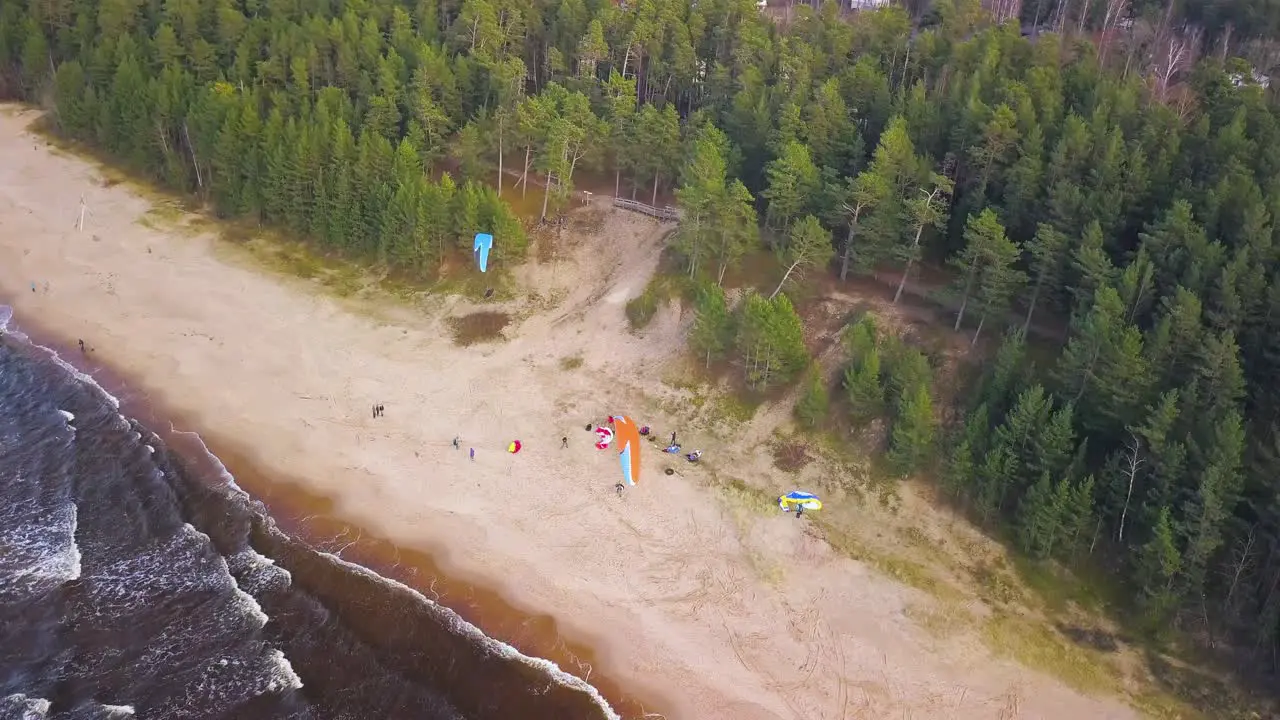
x: 712, y: 329
x: 811, y: 409
x: 1039, y: 518
x: 771, y: 340
x: 995, y: 475
x: 701, y: 193
x: 808, y: 246
x: 1005, y: 373
x: 736, y: 231
x: 911, y: 442
x: 787, y: 339
x: 865, y: 193
x: 1102, y: 371
x: 1019, y: 432
x: 1157, y: 567
x: 1181, y: 251
x: 1078, y: 517
x: 1054, y: 444
x: 1176, y: 337
x: 863, y: 387
x: 988, y: 277
x: 860, y: 338
x: 907, y: 368
x: 1048, y: 251
x: 1091, y: 268
x: 960, y: 472
x: 929, y: 210
x: 793, y: 180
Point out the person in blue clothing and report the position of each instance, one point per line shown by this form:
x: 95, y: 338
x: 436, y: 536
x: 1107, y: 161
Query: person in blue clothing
x: 473, y: 454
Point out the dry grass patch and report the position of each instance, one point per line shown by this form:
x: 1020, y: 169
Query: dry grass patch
x: 791, y: 455
x: 1039, y: 647
x: 903, y: 569
x: 479, y: 327
x: 571, y: 362
x: 942, y: 620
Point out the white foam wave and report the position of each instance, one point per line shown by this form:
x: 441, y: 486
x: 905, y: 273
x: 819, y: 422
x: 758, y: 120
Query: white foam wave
x: 119, y: 711
x: 552, y: 670
x: 40, y: 549
x: 22, y: 707
x: 223, y: 472
x: 178, y: 564
x: 6, y: 318
x: 67, y: 416
x: 244, y: 601
x: 282, y: 675
x: 497, y: 647
x: 258, y: 573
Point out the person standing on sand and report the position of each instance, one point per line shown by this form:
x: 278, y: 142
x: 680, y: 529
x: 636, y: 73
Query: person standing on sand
x: 455, y: 443
x: 564, y: 442
x: 473, y: 454
x: 81, y: 347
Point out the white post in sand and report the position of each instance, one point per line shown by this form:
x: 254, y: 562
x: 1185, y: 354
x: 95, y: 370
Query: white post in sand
x: 83, y: 208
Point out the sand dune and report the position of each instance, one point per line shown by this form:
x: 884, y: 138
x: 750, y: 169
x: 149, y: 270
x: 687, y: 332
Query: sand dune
x: 665, y: 581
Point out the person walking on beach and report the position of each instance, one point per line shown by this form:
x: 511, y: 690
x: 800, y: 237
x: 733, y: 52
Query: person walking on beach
x: 455, y: 443
x: 81, y: 347
x: 564, y: 442
x: 382, y: 410
x: 473, y: 454
x: 375, y: 411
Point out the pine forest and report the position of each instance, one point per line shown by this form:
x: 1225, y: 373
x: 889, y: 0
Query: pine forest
x: 1091, y: 189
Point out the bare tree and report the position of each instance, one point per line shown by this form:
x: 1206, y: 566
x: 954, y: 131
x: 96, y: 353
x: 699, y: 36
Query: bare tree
x: 1060, y: 15
x: 1175, y: 52
x: 1242, y: 557
x: 1004, y: 10
x: 1116, y: 11
x: 1133, y: 462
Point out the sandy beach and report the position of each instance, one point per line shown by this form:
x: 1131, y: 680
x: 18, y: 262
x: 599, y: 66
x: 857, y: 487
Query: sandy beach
x: 721, y: 612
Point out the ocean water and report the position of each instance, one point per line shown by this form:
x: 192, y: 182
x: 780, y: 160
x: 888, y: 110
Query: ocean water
x: 134, y: 587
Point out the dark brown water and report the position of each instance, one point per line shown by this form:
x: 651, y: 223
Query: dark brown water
x: 135, y: 583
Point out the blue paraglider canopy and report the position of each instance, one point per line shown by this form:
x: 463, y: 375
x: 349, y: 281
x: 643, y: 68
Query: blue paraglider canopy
x: 481, y: 248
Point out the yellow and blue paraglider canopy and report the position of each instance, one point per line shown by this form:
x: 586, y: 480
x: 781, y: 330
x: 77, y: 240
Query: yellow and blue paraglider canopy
x: 797, y: 499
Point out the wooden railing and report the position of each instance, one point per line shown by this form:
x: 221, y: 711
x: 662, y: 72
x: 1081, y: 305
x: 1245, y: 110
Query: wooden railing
x: 662, y: 213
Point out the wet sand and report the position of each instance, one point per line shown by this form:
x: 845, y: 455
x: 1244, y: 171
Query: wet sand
x: 310, y: 517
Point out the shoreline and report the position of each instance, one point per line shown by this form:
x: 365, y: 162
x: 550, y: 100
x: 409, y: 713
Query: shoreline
x: 308, y: 517
x: 686, y: 591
